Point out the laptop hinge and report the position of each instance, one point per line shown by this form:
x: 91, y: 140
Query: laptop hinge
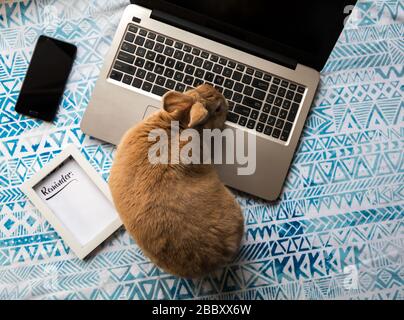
x: 223, y: 38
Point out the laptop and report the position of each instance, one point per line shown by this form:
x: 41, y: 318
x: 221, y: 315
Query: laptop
x: 265, y: 58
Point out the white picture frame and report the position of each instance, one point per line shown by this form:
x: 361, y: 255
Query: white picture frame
x: 109, y: 220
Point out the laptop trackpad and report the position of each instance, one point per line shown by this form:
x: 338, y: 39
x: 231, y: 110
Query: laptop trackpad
x: 150, y: 110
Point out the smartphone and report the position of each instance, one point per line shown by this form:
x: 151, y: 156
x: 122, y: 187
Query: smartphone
x: 46, y: 78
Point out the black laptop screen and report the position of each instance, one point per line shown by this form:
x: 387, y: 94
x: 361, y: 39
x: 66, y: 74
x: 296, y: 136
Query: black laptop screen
x: 302, y: 30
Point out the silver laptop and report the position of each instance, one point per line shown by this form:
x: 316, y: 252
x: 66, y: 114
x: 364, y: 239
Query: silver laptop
x: 265, y: 59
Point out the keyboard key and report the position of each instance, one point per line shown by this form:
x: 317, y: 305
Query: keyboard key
x: 260, y: 84
x: 189, y: 80
x: 139, y: 62
x: 207, y: 65
x: 178, y: 54
x: 227, y: 94
x: 281, y: 92
x: 169, y: 73
x: 129, y: 37
x: 273, y: 89
x: 260, y: 127
x: 250, y: 102
x: 124, y: 67
x: 258, y: 94
x: 170, y: 84
x: 141, y: 52
x: 188, y: 58
x: 179, y: 45
x: 227, y: 72
x: 250, y: 71
x: 237, y: 97
x: 180, y: 66
x: 298, y: 98
x: 283, y: 114
x: 142, y: 32
x: 209, y: 76
x: 238, y: 87
x: 198, y: 62
x: 286, y: 104
x: 290, y: 95
x: 240, y: 68
x: 274, y: 111
x: 217, y: 68
x: 170, y: 62
x: 271, y: 120
x: 254, y: 114
x: 248, y: 90
x: 268, y: 130
x: 150, y: 55
x: 237, y: 76
x: 278, y: 101
x: 279, y: 123
x: 205, y: 55
x: 214, y: 58
x: 219, y: 80
x: 139, y: 40
x: 147, y: 86
x: 228, y: 83
x: 160, y: 80
x: 232, y: 117
x: 258, y: 74
x: 263, y: 117
x: 244, y: 111
x: 196, y: 52
x: 187, y: 48
x: 151, y: 35
x: 159, y: 47
x: 292, y: 87
x: 127, y: 79
x: 159, y: 90
x: 116, y: 75
x: 149, y: 65
x: 198, y: 82
x: 149, y: 44
x: 270, y: 98
x: 133, y: 28
x: 178, y: 76
x: 266, y: 108
x: 137, y: 83
x: 231, y: 105
x: 160, y: 38
x: 267, y: 77
x: 124, y: 56
x: 223, y: 61
x: 179, y: 87
x: 189, y: 69
x: 168, y: 51
x: 242, y: 121
x: 140, y: 73
x: 160, y: 59
x: 246, y: 79
x: 169, y: 42
x: 284, y: 83
x: 251, y: 124
x: 276, y: 133
x: 277, y: 81
x: 293, y: 112
x: 286, y: 131
x: 300, y: 90
x: 150, y: 76
x: 128, y: 47
x: 231, y: 64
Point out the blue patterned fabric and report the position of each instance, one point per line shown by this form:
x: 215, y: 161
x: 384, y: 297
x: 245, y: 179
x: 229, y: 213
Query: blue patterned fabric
x: 337, y: 231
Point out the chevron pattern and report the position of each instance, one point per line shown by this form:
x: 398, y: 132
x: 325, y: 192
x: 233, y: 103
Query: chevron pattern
x: 336, y: 233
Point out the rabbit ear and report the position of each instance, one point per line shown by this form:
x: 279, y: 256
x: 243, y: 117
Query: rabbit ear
x: 197, y: 114
x: 176, y: 102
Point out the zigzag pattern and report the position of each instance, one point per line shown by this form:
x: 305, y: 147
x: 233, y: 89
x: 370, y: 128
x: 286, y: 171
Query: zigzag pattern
x: 336, y: 232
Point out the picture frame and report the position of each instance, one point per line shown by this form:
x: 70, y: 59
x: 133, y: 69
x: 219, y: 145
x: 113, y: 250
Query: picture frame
x: 75, y: 200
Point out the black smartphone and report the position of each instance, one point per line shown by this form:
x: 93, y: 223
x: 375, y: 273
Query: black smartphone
x: 46, y: 78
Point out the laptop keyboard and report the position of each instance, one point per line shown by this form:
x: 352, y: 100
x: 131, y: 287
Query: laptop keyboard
x: 257, y: 100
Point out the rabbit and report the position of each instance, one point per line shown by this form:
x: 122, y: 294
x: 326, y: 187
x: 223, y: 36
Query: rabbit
x: 181, y: 215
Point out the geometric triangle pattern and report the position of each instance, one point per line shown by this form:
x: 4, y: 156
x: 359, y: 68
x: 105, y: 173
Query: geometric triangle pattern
x: 335, y: 233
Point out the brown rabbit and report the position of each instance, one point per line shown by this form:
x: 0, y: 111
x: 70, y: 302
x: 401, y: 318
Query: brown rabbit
x: 182, y: 216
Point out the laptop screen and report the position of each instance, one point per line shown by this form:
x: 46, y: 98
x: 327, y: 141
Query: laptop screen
x: 302, y: 30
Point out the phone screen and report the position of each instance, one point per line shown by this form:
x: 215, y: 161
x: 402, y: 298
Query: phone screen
x: 46, y: 78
